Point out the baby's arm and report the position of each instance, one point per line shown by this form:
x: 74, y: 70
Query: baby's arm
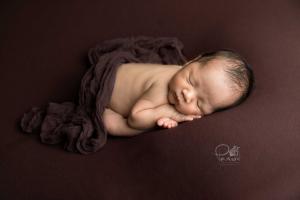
x: 145, y: 115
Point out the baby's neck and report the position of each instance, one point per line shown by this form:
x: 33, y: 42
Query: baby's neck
x: 168, y: 71
x: 174, y: 69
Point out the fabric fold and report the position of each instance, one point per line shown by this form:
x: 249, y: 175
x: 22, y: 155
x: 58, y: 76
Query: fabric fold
x: 80, y: 127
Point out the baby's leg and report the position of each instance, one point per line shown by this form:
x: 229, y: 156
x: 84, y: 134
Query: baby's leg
x: 117, y: 125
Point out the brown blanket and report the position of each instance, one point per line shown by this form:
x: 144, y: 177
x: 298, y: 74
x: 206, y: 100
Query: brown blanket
x: 80, y: 127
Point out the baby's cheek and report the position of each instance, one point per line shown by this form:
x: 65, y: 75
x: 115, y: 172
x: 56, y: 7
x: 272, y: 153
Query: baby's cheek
x: 187, y: 110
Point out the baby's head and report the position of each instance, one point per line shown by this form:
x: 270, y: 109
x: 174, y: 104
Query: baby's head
x: 211, y: 82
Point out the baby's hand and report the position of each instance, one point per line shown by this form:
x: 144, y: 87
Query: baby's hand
x: 179, y: 117
x: 172, y: 117
x: 167, y: 122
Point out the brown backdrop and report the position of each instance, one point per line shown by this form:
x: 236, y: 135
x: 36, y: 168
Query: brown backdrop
x: 43, y: 56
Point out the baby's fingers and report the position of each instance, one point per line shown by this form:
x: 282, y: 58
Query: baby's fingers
x: 196, y: 116
x: 186, y: 118
x: 182, y: 118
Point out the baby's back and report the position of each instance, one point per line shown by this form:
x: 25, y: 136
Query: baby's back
x: 132, y: 80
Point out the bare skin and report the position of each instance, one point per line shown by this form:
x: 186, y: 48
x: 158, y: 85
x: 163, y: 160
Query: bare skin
x: 146, y: 95
x: 144, y: 87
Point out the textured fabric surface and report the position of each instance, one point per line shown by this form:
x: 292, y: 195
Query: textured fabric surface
x: 43, y: 58
x: 80, y: 127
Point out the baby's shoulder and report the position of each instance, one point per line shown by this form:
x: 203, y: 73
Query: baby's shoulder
x: 157, y: 92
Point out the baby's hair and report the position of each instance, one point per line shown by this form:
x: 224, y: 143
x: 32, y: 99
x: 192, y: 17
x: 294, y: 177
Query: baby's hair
x: 239, y: 72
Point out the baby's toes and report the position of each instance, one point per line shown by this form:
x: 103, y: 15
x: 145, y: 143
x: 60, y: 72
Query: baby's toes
x: 174, y: 123
x: 171, y: 124
x: 166, y: 124
x: 161, y: 121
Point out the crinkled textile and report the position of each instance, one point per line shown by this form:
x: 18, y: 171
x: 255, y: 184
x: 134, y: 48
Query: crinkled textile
x: 80, y: 127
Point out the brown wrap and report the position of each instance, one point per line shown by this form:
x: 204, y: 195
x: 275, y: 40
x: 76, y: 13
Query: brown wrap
x: 80, y: 127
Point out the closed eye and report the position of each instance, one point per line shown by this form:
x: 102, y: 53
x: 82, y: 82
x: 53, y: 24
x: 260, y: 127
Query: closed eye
x: 189, y: 81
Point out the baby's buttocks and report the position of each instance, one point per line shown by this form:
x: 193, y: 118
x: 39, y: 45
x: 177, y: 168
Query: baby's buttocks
x: 132, y: 79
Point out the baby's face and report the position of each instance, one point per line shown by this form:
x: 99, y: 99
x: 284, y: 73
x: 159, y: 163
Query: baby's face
x: 201, y: 90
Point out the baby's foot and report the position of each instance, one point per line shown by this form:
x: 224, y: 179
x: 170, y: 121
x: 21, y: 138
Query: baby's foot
x: 167, y: 122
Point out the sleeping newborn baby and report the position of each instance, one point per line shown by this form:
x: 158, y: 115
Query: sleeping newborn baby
x: 149, y: 95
